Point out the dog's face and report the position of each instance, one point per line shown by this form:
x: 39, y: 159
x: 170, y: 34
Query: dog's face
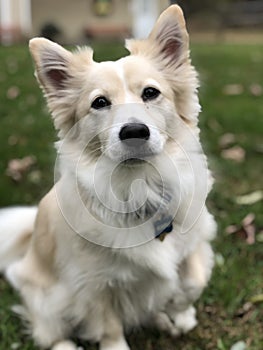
x: 128, y: 109
x: 121, y: 108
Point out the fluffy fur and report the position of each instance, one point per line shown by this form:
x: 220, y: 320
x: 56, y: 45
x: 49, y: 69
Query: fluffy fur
x: 91, y: 265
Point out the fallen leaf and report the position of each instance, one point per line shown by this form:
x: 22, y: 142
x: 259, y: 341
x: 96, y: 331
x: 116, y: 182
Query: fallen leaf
x: 13, y: 92
x: 248, y: 219
x: 246, y: 230
x: 249, y: 228
x: 17, y: 167
x: 240, y: 345
x: 250, y: 231
x: 13, y: 140
x: 241, y: 234
x: 250, y: 198
x: 233, y: 89
x: 256, y: 89
x: 235, y: 153
x: 259, y: 237
x: 231, y: 229
x: 35, y: 176
x: 226, y: 140
x: 219, y: 259
x: 257, y: 299
x: 244, y: 309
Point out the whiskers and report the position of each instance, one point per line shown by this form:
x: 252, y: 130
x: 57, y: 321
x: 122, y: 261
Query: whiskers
x: 93, y: 149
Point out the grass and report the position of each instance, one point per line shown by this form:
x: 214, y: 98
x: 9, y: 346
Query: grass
x: 225, y: 311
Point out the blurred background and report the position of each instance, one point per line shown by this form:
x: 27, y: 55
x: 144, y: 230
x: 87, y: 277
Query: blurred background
x: 76, y: 21
x: 227, y: 49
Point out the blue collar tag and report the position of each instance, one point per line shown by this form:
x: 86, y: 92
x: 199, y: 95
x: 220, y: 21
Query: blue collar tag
x: 163, y: 226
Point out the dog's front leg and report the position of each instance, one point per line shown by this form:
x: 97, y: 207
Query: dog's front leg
x: 179, y: 315
x: 64, y: 345
x: 113, y: 337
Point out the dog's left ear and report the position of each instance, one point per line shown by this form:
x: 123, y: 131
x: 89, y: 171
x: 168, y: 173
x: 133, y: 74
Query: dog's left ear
x: 168, y: 42
x: 51, y: 62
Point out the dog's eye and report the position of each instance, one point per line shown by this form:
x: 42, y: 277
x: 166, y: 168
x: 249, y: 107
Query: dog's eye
x: 100, y: 102
x: 150, y: 93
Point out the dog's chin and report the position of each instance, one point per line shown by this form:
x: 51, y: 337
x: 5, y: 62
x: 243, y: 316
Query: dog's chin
x: 133, y: 158
x: 131, y: 162
x: 133, y: 155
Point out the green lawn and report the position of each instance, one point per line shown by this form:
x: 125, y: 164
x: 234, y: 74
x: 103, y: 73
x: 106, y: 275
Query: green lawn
x: 231, y: 309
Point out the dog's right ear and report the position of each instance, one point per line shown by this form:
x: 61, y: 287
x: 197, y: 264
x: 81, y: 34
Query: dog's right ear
x: 168, y: 42
x: 52, y: 64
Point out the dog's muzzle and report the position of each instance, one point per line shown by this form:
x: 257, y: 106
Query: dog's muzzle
x: 134, y: 134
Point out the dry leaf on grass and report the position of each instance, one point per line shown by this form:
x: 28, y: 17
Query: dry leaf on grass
x: 233, y: 89
x: 246, y: 230
x: 13, y: 92
x: 231, y: 229
x: 249, y: 228
x: 250, y: 198
x: 35, y: 176
x: 13, y: 140
x: 219, y: 260
x: 247, y: 307
x: 17, y: 167
x: 259, y: 237
x: 226, y: 140
x: 235, y: 153
x: 256, y: 89
x: 248, y: 219
x: 257, y: 299
x: 240, y: 345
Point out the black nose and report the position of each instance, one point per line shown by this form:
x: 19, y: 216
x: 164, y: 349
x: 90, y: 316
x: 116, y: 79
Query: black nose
x: 134, y: 131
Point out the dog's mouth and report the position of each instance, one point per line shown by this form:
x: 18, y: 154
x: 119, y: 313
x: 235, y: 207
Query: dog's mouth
x: 133, y: 162
x: 132, y: 155
x: 136, y: 155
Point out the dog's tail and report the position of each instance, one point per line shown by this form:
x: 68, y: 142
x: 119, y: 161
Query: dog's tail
x: 16, y: 227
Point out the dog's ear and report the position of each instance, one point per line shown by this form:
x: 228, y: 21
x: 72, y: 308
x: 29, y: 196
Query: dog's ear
x: 60, y: 74
x: 168, y: 42
x: 171, y: 35
x: 52, y: 64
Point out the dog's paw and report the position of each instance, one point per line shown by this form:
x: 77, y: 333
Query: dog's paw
x: 116, y: 347
x: 178, y: 323
x: 185, y: 320
x: 65, y: 345
x: 164, y: 323
x: 120, y: 345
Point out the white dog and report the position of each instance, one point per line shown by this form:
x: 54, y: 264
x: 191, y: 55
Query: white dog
x: 122, y: 239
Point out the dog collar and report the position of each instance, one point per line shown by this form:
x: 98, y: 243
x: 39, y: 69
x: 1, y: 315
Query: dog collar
x: 161, y: 236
